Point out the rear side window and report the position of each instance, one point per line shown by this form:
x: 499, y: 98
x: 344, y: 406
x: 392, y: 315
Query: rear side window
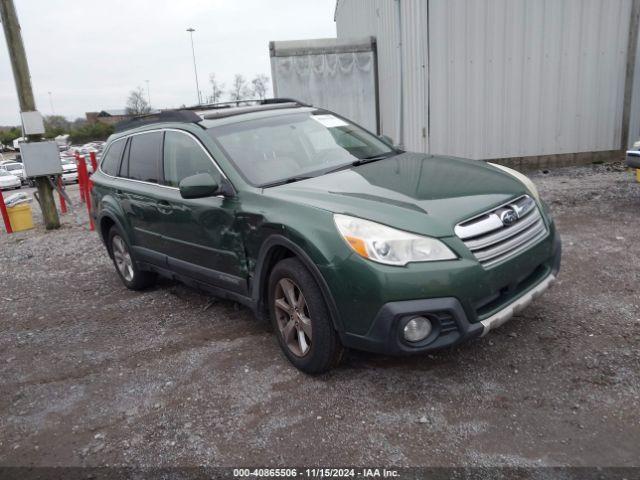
x: 111, y: 161
x: 145, y: 153
x: 183, y: 157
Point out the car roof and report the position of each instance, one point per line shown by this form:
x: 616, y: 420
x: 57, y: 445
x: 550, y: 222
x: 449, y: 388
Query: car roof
x: 212, y: 115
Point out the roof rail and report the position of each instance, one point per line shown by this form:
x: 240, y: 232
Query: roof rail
x: 232, y: 112
x: 246, y: 103
x: 183, y: 116
x: 189, y: 115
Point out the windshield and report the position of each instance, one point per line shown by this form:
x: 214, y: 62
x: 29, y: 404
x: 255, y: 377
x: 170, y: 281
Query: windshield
x: 14, y: 166
x: 272, y: 150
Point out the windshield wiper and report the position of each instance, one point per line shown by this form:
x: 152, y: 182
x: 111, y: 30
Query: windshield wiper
x: 373, y: 158
x: 286, y: 180
x: 362, y: 161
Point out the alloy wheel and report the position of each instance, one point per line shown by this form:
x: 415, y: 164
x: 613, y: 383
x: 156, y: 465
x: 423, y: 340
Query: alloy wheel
x: 122, y: 258
x: 292, y: 315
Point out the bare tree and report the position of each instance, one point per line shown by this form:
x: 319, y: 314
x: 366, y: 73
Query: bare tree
x: 136, y: 103
x: 217, y: 89
x: 239, y: 89
x: 260, y: 86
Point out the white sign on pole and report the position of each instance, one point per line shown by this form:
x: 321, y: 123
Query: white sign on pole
x: 40, y: 159
x: 32, y: 123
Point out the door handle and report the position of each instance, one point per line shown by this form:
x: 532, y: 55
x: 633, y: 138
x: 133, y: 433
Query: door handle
x: 164, y: 207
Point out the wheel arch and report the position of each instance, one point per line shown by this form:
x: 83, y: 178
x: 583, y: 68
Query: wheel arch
x: 105, y: 221
x: 274, y: 249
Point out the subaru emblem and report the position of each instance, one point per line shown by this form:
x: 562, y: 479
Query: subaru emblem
x: 509, y: 217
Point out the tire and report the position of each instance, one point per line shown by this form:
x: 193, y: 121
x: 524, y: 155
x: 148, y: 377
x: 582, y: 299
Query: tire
x: 131, y: 276
x: 308, y: 315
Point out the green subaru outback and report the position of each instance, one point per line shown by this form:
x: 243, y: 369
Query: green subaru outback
x: 337, y: 237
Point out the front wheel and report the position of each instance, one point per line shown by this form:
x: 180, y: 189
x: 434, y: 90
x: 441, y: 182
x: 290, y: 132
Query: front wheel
x: 301, y: 318
x: 126, y: 267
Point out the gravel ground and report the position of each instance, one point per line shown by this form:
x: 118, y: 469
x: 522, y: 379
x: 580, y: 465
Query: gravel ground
x: 93, y: 374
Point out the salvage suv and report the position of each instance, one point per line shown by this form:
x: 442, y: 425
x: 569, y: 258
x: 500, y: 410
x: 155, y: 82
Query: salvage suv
x: 336, y: 236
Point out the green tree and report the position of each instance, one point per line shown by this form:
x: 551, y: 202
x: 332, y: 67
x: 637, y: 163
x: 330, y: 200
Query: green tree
x: 55, y: 125
x: 8, y: 135
x: 90, y: 132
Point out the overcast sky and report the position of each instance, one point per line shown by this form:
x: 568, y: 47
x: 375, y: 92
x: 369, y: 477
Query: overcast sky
x: 91, y: 53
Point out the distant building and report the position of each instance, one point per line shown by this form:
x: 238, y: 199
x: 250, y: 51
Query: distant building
x: 108, y: 117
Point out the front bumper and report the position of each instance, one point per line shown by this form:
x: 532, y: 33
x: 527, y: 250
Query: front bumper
x: 504, y: 315
x: 452, y: 324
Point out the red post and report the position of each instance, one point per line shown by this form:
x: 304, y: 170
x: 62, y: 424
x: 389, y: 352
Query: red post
x: 94, y: 162
x: 5, y: 215
x: 80, y: 161
x: 63, y: 202
x: 83, y: 176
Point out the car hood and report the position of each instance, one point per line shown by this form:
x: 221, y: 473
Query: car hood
x: 415, y: 192
x: 9, y: 179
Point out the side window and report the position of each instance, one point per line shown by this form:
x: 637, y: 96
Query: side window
x: 111, y: 161
x: 183, y: 157
x: 145, y: 152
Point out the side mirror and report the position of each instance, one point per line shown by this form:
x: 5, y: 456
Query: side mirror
x: 386, y: 139
x: 198, y: 186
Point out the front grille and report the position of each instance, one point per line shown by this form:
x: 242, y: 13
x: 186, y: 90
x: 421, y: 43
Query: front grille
x: 503, y: 232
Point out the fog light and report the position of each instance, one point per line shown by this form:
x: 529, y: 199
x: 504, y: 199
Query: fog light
x: 417, y: 329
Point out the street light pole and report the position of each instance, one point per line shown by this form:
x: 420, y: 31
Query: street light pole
x: 53, y: 112
x: 195, y: 70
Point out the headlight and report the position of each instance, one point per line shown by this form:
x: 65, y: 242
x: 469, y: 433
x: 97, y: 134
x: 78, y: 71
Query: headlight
x: 529, y: 185
x: 387, y: 245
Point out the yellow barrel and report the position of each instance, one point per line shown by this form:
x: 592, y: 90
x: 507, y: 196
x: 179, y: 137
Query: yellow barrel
x: 20, y: 217
x: 638, y: 175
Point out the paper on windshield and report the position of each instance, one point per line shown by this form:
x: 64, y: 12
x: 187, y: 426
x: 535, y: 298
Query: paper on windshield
x: 329, y: 121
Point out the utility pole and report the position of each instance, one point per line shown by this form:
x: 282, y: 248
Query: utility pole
x: 22, y: 78
x: 195, y: 70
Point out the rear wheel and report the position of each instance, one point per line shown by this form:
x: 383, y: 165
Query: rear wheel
x: 301, y: 319
x: 132, y: 277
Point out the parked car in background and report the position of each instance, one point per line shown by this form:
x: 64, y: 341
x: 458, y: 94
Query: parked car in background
x: 85, y: 154
x: 69, y: 170
x: 9, y: 181
x: 338, y: 237
x: 633, y: 156
x: 16, y: 169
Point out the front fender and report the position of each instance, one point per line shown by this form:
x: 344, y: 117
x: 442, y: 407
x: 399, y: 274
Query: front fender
x: 269, y: 249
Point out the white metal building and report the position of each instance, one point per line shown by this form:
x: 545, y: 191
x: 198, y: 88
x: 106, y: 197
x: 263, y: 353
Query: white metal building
x: 490, y: 79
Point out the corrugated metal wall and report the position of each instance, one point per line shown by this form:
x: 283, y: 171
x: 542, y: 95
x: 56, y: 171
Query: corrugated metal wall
x: 503, y: 78
x: 379, y: 18
x: 634, y: 125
